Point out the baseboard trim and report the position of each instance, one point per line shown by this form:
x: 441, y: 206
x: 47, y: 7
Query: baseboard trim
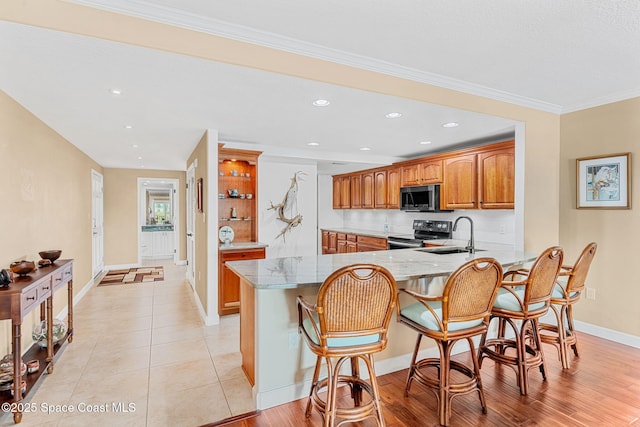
x: 76, y: 299
x: 608, y: 334
x: 181, y: 262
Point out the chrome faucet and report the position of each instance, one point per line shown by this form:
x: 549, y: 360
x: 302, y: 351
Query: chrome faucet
x: 471, y: 246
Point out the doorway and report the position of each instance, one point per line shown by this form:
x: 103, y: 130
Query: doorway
x: 158, y: 219
x: 191, y: 229
x: 97, y: 223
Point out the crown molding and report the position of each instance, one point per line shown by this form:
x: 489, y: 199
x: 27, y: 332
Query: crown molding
x: 153, y: 12
x: 603, y: 100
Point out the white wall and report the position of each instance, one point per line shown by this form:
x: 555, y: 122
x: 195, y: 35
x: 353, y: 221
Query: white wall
x: 274, y: 179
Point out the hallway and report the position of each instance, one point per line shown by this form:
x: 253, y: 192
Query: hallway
x: 144, y: 345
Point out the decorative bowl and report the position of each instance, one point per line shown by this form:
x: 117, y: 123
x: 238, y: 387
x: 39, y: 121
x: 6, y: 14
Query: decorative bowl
x: 22, y: 268
x: 51, y: 255
x: 39, y: 334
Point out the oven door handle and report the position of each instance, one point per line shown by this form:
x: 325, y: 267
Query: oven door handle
x: 403, y: 244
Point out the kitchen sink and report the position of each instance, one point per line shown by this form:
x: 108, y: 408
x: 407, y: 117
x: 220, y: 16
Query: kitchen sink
x: 446, y: 250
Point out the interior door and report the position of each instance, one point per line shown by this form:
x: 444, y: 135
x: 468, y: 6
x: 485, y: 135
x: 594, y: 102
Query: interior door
x: 191, y: 229
x: 97, y: 223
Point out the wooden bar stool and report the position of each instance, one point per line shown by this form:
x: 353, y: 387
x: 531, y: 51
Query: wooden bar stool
x: 461, y: 313
x: 520, y: 304
x: 567, y: 291
x: 349, y: 322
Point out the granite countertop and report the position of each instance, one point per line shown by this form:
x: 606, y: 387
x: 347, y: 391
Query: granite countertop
x: 242, y: 245
x: 158, y: 227
x: 404, y: 264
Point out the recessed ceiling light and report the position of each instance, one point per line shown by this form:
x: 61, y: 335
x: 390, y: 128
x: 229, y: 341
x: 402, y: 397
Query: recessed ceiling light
x: 135, y: 146
x: 142, y: 166
x: 140, y: 158
x: 313, y: 144
x: 365, y: 149
x: 128, y: 127
x: 425, y: 142
x: 393, y: 115
x: 115, y: 91
x: 321, y: 102
x: 450, y: 125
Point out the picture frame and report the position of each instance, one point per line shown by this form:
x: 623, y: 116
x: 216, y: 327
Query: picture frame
x: 199, y: 192
x: 604, y: 182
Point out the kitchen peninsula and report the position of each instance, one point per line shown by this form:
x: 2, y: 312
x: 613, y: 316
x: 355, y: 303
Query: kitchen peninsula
x: 278, y: 367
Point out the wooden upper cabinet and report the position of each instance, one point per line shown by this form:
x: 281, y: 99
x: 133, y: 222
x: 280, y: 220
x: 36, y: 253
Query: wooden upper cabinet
x: 341, y: 192
x: 460, y: 178
x: 426, y: 172
x: 393, y: 188
x: 380, y: 189
x: 337, y: 190
x: 356, y: 191
x: 367, y: 190
x: 431, y: 172
x: 410, y: 175
x: 496, y: 178
x: 345, y: 192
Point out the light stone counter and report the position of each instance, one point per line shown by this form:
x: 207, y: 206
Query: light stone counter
x: 404, y: 264
x: 277, y: 362
x: 235, y: 246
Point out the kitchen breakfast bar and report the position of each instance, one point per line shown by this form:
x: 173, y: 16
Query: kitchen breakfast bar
x: 277, y: 364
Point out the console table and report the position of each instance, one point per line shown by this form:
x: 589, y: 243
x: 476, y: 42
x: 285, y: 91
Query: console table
x: 17, y: 300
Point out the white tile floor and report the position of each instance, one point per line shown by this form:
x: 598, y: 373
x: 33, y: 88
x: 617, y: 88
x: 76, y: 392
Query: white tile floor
x: 144, y: 345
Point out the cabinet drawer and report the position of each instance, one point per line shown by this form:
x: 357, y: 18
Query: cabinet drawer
x: 240, y: 255
x: 29, y: 298
x: 373, y: 241
x: 342, y: 236
x: 352, y: 237
x: 45, y: 288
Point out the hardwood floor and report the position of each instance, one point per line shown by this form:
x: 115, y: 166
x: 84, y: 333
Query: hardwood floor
x: 602, y: 388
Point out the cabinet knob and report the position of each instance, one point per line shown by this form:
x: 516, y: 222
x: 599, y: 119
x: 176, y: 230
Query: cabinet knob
x: 31, y: 298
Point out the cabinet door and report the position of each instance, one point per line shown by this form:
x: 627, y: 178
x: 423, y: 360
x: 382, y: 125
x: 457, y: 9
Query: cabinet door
x: 496, y: 177
x: 431, y: 172
x: 146, y: 244
x: 229, y: 282
x: 332, y: 246
x: 410, y: 175
x: 356, y: 191
x: 367, y: 243
x: 325, y: 242
x: 393, y: 188
x: 337, y: 188
x: 367, y: 190
x: 380, y: 189
x: 460, y: 191
x: 345, y: 192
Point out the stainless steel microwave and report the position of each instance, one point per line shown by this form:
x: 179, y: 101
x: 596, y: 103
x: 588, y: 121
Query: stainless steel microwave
x: 423, y: 198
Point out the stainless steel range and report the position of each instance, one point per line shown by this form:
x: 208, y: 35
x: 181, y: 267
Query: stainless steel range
x: 423, y: 229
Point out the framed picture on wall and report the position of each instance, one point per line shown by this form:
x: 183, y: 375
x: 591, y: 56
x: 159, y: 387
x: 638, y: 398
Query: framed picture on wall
x: 604, y: 182
x: 199, y: 201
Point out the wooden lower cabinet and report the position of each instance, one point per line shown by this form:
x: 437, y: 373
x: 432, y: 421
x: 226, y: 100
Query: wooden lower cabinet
x: 334, y: 242
x: 229, y: 282
x: 368, y: 243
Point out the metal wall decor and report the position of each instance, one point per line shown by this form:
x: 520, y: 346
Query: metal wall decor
x: 289, y: 206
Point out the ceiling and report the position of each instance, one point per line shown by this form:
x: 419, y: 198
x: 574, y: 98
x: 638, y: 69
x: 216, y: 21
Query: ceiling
x: 553, y: 56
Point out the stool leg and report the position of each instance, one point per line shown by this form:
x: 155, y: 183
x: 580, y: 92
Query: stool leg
x: 443, y: 392
x: 368, y: 359
x: 571, y: 330
x: 562, y: 335
x: 476, y: 369
x: 412, y: 367
x: 330, y: 403
x: 356, y: 390
x: 314, y: 384
x: 538, y: 345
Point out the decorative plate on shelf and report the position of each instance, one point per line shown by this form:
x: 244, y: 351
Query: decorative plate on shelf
x: 226, y: 234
